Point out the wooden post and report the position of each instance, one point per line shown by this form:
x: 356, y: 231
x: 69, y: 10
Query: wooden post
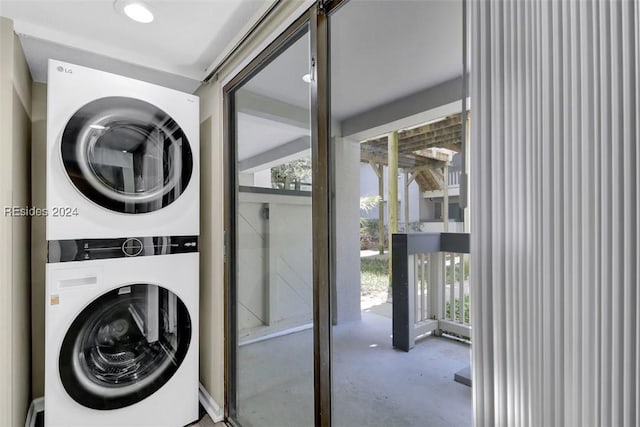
x: 392, y: 144
x: 378, y: 169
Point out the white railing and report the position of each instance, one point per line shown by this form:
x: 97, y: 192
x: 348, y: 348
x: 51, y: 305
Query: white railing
x: 426, y: 312
x: 454, y: 177
x: 455, y: 302
x: 430, y: 287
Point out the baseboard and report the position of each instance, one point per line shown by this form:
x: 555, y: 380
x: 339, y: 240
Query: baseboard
x: 209, y: 404
x: 37, y: 405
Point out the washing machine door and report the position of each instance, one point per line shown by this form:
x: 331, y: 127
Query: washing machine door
x: 124, y: 346
x: 126, y: 155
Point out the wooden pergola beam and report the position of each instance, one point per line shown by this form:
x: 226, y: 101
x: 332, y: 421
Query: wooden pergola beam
x: 410, y: 152
x: 410, y: 147
x: 421, y: 141
x: 449, y: 125
x: 429, y: 137
x: 438, y: 177
x: 406, y: 161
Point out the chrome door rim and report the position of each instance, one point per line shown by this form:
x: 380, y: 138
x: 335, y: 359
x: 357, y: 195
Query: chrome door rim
x: 118, y: 383
x: 86, y: 142
x: 99, y: 129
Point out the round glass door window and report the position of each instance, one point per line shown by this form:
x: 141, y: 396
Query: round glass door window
x: 124, y: 346
x: 126, y: 155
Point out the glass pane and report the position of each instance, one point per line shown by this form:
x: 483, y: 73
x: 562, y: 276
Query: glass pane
x: 126, y: 155
x: 396, y: 92
x: 274, y: 282
x: 124, y: 346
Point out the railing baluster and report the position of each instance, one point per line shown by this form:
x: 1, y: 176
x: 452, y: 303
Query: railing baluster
x: 461, y: 288
x: 469, y: 261
x: 443, y: 286
x: 452, y: 271
x: 416, y: 300
x: 423, y: 288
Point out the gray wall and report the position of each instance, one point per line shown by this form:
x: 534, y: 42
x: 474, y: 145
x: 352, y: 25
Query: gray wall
x: 347, y: 227
x: 15, y: 134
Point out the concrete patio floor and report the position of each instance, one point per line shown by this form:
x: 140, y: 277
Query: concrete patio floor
x: 374, y: 384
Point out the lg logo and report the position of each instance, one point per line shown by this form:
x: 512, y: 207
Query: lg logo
x: 61, y: 69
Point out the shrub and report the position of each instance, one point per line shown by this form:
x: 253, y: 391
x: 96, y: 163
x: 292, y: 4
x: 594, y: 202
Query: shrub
x: 465, y: 309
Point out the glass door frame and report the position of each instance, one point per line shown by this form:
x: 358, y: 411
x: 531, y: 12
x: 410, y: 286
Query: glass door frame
x: 316, y: 18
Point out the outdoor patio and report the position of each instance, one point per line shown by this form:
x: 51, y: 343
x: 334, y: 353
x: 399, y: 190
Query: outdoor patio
x: 374, y: 384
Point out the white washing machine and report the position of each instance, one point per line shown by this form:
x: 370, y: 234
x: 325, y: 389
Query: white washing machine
x: 122, y: 156
x: 122, y: 334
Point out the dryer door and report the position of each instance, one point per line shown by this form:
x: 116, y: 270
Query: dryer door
x: 126, y: 155
x: 124, y: 346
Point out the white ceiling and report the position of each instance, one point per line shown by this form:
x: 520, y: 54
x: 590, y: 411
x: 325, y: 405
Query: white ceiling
x: 174, y: 50
x: 282, y: 78
x: 272, y: 124
x: 257, y: 135
x: 384, y: 50
x: 381, y: 51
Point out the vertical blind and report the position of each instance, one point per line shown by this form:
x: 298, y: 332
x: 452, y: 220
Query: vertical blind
x: 555, y: 187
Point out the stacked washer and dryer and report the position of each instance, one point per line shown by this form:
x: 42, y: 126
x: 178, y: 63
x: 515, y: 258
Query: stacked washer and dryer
x: 122, y: 222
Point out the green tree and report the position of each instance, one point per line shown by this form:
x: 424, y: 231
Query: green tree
x: 293, y: 172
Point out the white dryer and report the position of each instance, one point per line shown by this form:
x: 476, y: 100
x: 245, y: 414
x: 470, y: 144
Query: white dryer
x: 122, y: 156
x: 122, y: 335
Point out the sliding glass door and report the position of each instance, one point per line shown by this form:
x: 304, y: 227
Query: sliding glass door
x: 396, y: 85
x: 309, y: 342
x: 271, y: 298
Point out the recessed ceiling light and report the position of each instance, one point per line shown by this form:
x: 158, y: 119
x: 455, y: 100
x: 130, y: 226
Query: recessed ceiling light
x: 136, y: 10
x: 306, y: 78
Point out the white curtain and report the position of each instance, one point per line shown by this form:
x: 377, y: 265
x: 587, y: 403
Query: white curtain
x: 555, y: 192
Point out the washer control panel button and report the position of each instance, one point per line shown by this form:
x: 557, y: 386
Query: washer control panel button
x: 132, y: 247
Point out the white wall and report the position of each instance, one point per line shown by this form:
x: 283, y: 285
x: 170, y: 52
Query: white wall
x: 262, y: 178
x: 245, y: 179
x: 15, y: 134
x: 427, y: 209
x: 369, y: 181
x: 275, y: 276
